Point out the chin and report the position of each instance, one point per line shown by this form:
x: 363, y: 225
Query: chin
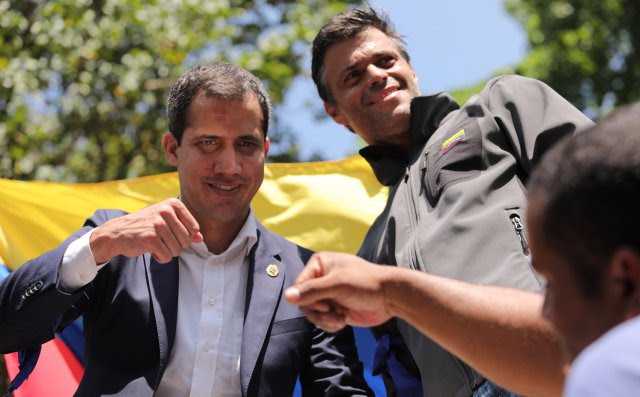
x: 227, y: 215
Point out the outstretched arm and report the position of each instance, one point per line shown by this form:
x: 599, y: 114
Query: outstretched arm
x: 498, y: 331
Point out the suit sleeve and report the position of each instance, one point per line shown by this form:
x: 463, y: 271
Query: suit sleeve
x: 333, y: 367
x: 33, y: 306
x: 533, y: 116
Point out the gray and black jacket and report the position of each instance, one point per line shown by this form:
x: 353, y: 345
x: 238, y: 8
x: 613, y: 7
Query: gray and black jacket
x: 455, y: 206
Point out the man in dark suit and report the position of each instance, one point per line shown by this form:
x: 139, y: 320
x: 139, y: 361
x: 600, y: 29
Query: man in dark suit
x: 184, y: 297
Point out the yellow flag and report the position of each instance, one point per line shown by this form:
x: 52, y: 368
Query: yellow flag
x: 321, y: 206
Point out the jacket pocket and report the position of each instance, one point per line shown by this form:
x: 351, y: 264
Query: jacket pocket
x: 290, y: 325
x: 451, y: 158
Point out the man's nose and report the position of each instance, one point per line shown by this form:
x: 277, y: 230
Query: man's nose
x: 227, y: 161
x: 376, y: 75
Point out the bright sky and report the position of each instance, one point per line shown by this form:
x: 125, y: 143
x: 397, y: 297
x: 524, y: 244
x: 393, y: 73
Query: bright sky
x: 453, y: 43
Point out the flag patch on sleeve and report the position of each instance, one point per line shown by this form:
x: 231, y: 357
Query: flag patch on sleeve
x: 451, y: 142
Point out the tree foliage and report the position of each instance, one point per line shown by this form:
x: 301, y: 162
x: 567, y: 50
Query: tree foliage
x: 585, y: 49
x: 83, y: 83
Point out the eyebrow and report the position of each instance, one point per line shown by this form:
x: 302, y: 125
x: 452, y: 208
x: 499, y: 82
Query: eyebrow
x: 215, y: 136
x: 204, y: 136
x: 375, y: 55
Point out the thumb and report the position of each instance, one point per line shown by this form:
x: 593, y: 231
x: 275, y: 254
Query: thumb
x: 292, y: 294
x: 198, y: 238
x: 311, y: 292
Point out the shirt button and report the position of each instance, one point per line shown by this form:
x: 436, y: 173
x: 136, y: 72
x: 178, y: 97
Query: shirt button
x: 84, y: 277
x: 206, y: 348
x: 211, y: 301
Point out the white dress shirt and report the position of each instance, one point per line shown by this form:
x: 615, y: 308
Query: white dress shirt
x: 205, y: 360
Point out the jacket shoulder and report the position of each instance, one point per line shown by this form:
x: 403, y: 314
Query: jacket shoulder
x: 509, y: 80
x: 102, y: 215
x: 289, y: 249
x: 507, y: 88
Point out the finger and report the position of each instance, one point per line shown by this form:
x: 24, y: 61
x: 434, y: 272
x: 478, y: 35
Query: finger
x: 161, y: 258
x: 178, y: 229
x: 159, y: 249
x: 169, y: 238
x: 330, y: 322
x: 311, y: 270
x: 189, y: 222
x: 292, y: 294
x: 322, y: 306
x: 312, y: 291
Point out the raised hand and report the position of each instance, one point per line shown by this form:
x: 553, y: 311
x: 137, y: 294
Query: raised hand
x: 335, y: 290
x: 163, y: 229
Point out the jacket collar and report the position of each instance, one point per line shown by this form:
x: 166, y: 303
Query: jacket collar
x: 264, y: 291
x: 388, y: 162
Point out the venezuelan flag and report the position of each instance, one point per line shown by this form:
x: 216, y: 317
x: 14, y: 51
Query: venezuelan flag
x: 322, y: 206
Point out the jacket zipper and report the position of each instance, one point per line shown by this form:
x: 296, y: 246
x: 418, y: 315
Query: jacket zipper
x: 413, y: 218
x: 519, y: 228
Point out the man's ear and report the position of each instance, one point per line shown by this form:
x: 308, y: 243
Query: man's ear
x: 336, y: 115
x: 415, y: 76
x: 624, y: 268
x: 267, y: 144
x: 170, y: 145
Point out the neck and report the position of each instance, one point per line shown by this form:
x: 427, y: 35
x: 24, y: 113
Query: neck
x: 218, y: 236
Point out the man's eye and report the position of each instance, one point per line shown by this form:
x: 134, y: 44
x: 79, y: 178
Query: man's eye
x: 387, y: 61
x: 247, y: 144
x: 351, y: 78
x: 207, y: 145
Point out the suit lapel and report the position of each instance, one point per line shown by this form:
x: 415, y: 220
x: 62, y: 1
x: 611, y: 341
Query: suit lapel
x: 263, y: 297
x: 162, y: 280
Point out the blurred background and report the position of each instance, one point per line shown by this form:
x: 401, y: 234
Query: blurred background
x: 83, y: 83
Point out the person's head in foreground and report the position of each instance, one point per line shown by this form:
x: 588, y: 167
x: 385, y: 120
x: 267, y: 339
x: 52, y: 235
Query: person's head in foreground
x: 583, y: 213
x: 362, y: 70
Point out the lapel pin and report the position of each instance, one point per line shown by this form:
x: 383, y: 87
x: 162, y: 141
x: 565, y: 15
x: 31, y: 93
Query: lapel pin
x: 272, y: 270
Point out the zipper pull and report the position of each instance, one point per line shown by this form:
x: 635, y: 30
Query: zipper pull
x: 519, y: 227
x: 406, y: 174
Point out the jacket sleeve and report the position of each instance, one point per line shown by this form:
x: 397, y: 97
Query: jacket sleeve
x: 334, y: 368
x: 32, y: 305
x: 533, y: 116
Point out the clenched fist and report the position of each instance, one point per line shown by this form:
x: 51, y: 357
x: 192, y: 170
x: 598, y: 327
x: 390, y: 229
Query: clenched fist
x: 163, y: 229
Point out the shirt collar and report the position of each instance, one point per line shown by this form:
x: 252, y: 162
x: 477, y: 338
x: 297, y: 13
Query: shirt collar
x: 241, y: 244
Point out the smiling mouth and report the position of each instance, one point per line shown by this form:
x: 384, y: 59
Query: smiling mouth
x: 223, y: 188
x: 380, y: 96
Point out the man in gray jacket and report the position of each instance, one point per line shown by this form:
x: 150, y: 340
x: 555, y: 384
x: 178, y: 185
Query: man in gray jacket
x: 456, y: 201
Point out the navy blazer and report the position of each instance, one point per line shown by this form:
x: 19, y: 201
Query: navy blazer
x: 130, y: 312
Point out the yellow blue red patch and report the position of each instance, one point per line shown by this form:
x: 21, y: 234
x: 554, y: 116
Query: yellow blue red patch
x: 451, y: 142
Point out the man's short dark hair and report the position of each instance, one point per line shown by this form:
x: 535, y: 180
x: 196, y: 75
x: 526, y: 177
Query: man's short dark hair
x: 343, y: 27
x: 219, y: 80
x: 589, y: 187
